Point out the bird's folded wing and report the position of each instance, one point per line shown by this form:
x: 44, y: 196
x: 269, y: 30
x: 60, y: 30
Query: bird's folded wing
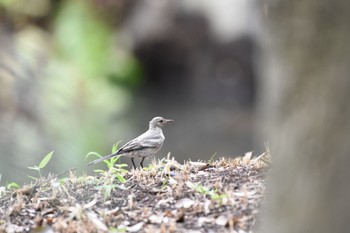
x: 135, y: 145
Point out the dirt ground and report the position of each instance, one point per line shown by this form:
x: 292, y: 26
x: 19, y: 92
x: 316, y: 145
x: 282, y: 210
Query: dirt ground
x: 220, y: 196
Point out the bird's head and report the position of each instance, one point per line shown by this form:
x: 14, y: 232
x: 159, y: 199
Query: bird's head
x: 159, y: 122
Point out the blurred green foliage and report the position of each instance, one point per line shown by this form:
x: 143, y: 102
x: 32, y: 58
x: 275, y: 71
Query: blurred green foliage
x: 82, y: 38
x: 87, y: 41
x: 85, y: 77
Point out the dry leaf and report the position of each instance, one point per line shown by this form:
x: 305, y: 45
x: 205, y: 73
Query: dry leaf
x: 135, y: 228
x: 184, y: 203
x: 221, y: 220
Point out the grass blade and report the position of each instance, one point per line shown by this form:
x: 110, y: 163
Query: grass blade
x: 45, y: 160
x: 93, y: 153
x: 34, y: 168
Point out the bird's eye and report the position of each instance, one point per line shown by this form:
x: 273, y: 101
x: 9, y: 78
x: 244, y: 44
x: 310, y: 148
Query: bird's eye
x: 161, y: 121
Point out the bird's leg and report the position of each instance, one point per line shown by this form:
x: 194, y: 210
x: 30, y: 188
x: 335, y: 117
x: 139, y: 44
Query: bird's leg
x: 133, y: 163
x: 141, y: 163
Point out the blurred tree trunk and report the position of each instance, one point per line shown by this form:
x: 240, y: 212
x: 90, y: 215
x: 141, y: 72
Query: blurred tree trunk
x: 305, y: 103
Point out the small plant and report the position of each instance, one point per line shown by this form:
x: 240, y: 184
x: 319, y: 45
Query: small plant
x: 108, y: 188
x: 41, y: 165
x: 165, y: 183
x: 115, y: 168
x: 115, y: 171
x: 109, y: 162
x: 12, y: 185
x: 212, y: 193
x: 212, y: 158
x: 63, y: 181
x: 150, y: 167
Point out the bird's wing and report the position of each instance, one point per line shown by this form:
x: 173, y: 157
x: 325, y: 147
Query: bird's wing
x: 138, y: 143
x: 146, y: 140
x: 133, y: 145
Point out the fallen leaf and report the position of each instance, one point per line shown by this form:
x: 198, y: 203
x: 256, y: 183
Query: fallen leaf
x: 221, y: 220
x: 97, y: 222
x: 156, y: 219
x: 90, y: 204
x: 135, y: 228
x: 184, y: 203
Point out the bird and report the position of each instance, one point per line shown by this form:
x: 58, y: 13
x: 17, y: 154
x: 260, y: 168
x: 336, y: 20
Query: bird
x: 145, y: 145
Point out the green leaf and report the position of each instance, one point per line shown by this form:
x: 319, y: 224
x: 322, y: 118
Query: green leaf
x: 99, y: 171
x: 212, y: 158
x: 93, y: 153
x: 12, y: 185
x: 34, y: 168
x: 32, y: 177
x: 115, y: 146
x: 108, y: 163
x: 122, y: 170
x: 63, y: 181
x: 120, y: 178
x: 112, y: 161
x: 45, y: 160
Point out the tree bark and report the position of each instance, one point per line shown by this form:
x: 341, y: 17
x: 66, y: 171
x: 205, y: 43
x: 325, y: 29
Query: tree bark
x: 305, y: 105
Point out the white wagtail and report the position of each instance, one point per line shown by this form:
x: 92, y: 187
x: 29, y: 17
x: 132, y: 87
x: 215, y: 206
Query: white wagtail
x: 145, y: 145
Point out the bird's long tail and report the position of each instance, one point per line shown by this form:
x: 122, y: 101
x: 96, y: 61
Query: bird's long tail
x: 103, y: 158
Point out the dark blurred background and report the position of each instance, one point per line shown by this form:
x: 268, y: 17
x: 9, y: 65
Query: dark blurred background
x: 78, y: 76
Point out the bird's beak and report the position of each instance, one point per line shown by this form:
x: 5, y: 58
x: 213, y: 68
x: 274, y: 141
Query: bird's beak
x: 168, y: 120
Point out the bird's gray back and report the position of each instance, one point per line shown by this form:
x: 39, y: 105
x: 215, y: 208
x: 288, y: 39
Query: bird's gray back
x: 152, y: 138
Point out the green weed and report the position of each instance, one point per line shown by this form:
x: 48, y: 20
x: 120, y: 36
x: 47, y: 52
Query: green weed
x: 212, y: 193
x: 41, y: 165
x: 114, y: 172
x: 12, y: 185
